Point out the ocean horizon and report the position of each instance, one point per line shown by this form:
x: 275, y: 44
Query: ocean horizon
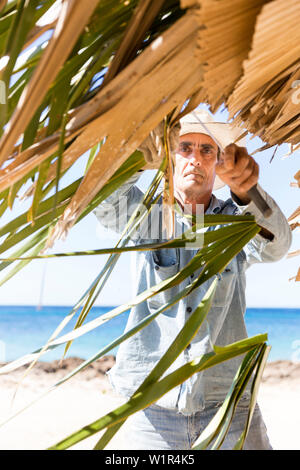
x: 25, y: 328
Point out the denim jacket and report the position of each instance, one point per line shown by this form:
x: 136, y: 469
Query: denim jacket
x: 224, y: 324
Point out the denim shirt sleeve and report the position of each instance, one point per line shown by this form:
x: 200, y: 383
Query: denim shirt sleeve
x: 115, y: 211
x: 259, y: 249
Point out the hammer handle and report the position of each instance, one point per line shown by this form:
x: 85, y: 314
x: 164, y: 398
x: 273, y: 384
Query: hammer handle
x: 259, y: 201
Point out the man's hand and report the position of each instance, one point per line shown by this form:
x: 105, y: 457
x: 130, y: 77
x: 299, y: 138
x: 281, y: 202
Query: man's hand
x: 153, y: 146
x: 238, y: 170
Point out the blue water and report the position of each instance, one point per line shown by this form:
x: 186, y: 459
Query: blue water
x: 24, y: 329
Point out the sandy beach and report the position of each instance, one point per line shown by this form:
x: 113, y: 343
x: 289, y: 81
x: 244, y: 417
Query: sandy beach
x: 88, y: 396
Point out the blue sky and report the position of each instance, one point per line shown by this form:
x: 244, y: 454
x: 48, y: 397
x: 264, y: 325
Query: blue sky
x: 66, y: 279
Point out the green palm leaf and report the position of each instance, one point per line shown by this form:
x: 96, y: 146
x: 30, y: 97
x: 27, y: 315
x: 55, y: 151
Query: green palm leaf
x: 153, y: 392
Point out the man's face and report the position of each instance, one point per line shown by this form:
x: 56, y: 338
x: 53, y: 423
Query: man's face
x: 196, y: 159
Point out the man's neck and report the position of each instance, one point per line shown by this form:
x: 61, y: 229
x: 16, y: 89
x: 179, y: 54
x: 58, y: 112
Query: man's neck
x: 191, y: 204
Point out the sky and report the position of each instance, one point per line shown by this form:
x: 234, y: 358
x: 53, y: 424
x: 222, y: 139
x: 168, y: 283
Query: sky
x: 63, y: 281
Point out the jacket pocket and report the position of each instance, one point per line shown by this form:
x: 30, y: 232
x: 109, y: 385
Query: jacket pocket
x: 226, y: 285
x: 162, y: 266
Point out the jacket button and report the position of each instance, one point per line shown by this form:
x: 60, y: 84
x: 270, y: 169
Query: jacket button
x: 192, y: 275
x: 156, y: 267
x: 189, y: 309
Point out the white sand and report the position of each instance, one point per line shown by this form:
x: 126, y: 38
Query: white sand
x: 82, y: 400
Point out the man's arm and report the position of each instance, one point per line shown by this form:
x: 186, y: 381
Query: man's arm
x: 274, y: 240
x: 240, y: 171
x: 115, y: 211
x: 243, y: 201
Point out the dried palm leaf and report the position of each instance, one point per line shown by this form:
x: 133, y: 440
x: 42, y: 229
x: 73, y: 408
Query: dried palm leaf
x: 263, y: 95
x: 294, y: 226
x: 274, y: 116
x: 295, y: 218
x: 294, y: 215
x: 74, y: 16
x: 168, y: 193
x: 169, y: 67
x: 293, y: 253
x: 188, y: 3
x: 228, y: 23
x: 37, y: 150
x: 297, y: 178
x: 140, y: 22
x: 296, y: 278
x: 29, y: 159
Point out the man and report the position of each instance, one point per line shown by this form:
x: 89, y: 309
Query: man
x: 177, y: 419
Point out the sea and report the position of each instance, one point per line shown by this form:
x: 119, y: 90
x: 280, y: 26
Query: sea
x: 24, y: 329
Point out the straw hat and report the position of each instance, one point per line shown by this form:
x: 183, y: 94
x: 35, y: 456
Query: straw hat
x: 223, y: 133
